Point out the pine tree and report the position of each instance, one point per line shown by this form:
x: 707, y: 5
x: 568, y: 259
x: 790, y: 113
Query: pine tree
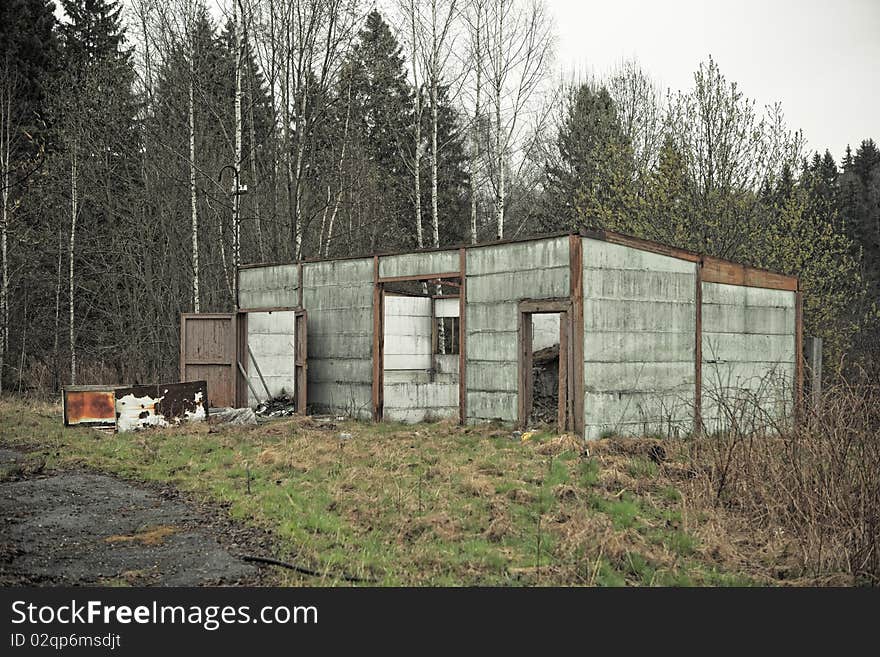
x: 589, y: 177
x: 382, y: 102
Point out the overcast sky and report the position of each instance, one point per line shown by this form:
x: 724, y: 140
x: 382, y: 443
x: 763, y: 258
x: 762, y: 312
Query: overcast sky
x: 819, y: 58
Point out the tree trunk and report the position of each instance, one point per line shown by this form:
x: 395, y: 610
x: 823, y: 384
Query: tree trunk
x: 258, y: 223
x: 417, y: 138
x: 237, y: 19
x: 499, y: 154
x: 192, y: 184
x: 71, y: 245
x: 5, y: 148
x: 475, y: 131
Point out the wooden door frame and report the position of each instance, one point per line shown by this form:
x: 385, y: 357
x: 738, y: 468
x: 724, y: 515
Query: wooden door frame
x: 300, y: 360
x: 526, y: 308
x: 446, y: 278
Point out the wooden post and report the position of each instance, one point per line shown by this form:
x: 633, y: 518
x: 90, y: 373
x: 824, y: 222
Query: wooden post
x: 462, y: 338
x: 576, y: 336
x: 378, y: 343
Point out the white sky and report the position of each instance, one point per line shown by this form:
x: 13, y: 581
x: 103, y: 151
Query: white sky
x: 819, y: 58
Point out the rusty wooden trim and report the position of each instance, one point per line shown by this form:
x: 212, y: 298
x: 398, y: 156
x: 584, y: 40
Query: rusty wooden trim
x: 416, y: 277
x: 698, y: 350
x: 716, y: 270
x: 378, y: 343
x: 462, y: 338
x: 576, y: 337
x: 562, y: 411
x: 272, y: 309
x: 258, y: 265
x: 182, y: 358
x: 301, y: 360
x: 524, y: 368
x: 445, y: 296
x: 640, y: 244
x: 538, y: 306
x: 241, y: 381
x: 799, y: 354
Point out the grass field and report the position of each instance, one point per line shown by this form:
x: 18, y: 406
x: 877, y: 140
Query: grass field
x: 432, y: 504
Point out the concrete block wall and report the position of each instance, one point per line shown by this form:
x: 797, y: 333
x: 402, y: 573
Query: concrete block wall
x: 407, y: 333
x: 338, y: 296
x: 498, y: 278
x: 271, y: 337
x: 639, y: 341
x: 748, y: 352
x: 275, y: 286
x: 414, y: 264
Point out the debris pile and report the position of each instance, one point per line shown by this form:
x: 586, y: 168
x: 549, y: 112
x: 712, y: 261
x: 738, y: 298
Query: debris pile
x: 545, y: 388
x: 242, y: 416
x: 281, y: 406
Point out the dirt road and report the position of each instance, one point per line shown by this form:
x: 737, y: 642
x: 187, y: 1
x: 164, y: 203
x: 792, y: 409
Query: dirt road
x: 82, y: 528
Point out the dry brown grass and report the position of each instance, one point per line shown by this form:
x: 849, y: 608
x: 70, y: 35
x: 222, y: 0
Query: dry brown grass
x: 152, y: 536
x: 807, y: 497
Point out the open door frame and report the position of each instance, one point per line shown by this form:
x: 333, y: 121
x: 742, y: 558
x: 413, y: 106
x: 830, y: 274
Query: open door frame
x: 300, y: 353
x: 565, y: 410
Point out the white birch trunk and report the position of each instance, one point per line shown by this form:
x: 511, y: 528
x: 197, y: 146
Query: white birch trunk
x: 71, y: 246
x: 192, y: 188
x: 499, y: 154
x: 5, y: 147
x: 417, y: 155
x: 236, y: 200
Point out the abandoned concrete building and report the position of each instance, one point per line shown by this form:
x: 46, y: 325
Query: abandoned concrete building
x: 595, y: 332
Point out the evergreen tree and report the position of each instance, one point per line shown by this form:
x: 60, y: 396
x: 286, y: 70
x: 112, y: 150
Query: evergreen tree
x: 666, y: 212
x: 588, y: 179
x: 382, y: 107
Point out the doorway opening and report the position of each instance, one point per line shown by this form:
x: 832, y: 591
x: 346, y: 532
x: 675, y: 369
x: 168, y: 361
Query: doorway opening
x: 544, y: 368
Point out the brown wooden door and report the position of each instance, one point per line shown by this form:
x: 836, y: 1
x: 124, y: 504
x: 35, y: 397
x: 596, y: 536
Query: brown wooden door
x: 301, y: 357
x: 208, y: 352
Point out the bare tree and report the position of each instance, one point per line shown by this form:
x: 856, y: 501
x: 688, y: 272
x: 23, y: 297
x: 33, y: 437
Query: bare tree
x: 518, y: 50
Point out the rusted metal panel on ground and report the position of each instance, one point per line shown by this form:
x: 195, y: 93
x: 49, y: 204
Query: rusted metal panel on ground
x: 129, y: 408
x: 89, y: 405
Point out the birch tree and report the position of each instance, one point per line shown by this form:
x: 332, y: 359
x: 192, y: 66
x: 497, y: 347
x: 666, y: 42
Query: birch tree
x: 518, y: 52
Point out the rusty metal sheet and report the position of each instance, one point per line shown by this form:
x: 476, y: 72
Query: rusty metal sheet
x: 163, y: 405
x: 184, y: 402
x: 90, y: 406
x: 136, y: 408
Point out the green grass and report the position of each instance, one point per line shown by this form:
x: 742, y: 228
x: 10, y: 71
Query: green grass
x: 433, y: 504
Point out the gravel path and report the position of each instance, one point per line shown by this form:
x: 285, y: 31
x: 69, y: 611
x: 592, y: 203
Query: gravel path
x: 83, y: 528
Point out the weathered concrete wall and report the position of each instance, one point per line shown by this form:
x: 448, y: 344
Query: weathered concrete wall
x: 639, y: 341
x: 407, y: 333
x: 748, y: 352
x: 411, y: 392
x: 415, y: 264
x: 446, y: 308
x: 271, y: 340
x: 498, y: 278
x: 338, y: 296
x: 274, y: 286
